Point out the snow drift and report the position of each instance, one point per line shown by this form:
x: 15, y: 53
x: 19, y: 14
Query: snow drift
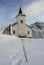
x: 18, y: 51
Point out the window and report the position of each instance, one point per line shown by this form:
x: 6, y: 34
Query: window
x: 14, y: 32
x: 28, y: 32
x: 21, y: 21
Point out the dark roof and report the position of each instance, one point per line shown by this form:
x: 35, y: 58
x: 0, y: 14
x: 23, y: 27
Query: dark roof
x: 25, y: 24
x: 20, y: 15
x: 14, y: 23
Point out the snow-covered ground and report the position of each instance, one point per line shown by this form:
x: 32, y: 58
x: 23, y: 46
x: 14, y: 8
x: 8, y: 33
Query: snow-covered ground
x: 16, y: 51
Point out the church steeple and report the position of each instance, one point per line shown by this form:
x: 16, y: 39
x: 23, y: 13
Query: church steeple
x: 20, y: 10
x: 20, y: 13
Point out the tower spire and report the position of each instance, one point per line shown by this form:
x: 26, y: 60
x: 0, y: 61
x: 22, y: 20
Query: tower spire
x: 20, y: 10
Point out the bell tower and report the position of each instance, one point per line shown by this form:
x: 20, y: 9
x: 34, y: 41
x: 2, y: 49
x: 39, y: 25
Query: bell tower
x: 21, y: 23
x: 20, y: 16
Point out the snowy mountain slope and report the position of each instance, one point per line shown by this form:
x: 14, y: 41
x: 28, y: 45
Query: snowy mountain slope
x: 16, y: 51
x: 38, y: 25
x: 38, y: 30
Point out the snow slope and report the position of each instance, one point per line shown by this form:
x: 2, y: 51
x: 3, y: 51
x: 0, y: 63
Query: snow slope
x: 16, y: 51
x: 38, y: 30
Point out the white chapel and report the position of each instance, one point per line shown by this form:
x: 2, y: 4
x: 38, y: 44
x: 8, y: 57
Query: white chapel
x: 19, y: 29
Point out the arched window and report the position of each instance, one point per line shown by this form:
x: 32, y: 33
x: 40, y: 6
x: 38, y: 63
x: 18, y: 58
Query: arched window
x: 28, y: 32
x: 14, y: 32
x: 21, y: 21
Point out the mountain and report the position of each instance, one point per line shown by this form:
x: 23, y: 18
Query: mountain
x: 37, y: 30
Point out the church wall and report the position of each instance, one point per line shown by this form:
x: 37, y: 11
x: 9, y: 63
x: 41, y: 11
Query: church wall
x: 21, y: 26
x: 14, y: 28
x: 23, y: 30
x: 28, y: 32
x: 20, y: 18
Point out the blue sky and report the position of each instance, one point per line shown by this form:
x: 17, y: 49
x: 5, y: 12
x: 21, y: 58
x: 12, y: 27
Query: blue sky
x: 33, y: 9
